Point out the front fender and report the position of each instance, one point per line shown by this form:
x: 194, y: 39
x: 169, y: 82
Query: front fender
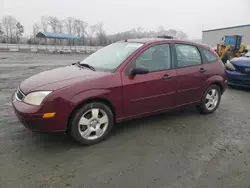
x: 93, y: 93
x: 114, y: 97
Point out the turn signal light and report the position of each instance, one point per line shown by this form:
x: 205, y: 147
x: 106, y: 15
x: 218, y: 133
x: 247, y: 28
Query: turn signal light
x: 49, y: 115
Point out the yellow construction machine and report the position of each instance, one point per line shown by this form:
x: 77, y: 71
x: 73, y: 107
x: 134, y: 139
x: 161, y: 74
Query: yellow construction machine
x: 230, y: 47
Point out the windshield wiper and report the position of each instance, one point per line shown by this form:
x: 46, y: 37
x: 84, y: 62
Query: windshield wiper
x: 88, y: 66
x: 84, y: 65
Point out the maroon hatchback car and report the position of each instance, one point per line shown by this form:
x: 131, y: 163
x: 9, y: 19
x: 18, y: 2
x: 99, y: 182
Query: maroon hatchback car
x: 124, y: 80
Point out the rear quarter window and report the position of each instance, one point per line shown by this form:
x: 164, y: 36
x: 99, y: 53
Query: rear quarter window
x: 208, y: 57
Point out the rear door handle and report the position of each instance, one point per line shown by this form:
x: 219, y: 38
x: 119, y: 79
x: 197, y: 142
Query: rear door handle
x: 166, y: 76
x: 202, y: 70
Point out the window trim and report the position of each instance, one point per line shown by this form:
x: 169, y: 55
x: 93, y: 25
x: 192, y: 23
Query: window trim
x: 172, y: 64
x: 176, y: 59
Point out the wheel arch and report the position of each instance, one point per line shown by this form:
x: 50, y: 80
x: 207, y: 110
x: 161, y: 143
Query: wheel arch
x: 90, y: 100
x: 216, y: 80
x: 219, y: 85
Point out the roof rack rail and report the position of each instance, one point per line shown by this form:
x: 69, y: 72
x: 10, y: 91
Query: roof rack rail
x: 165, y: 37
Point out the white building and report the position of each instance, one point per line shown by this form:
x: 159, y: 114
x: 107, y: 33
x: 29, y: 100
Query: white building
x: 213, y: 37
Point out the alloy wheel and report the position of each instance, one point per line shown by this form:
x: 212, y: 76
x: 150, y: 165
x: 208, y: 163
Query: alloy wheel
x: 212, y: 99
x: 93, y: 124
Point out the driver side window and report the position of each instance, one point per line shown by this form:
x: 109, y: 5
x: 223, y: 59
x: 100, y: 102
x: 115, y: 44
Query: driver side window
x: 155, y: 58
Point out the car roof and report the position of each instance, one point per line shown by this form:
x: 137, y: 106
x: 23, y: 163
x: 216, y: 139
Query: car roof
x: 155, y: 40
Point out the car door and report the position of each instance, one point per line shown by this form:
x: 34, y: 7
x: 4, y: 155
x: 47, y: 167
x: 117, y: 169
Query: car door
x: 210, y: 63
x: 150, y: 92
x: 189, y: 73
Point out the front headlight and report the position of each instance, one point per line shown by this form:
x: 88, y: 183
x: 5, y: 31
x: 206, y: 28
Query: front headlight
x: 36, y: 98
x: 230, y: 66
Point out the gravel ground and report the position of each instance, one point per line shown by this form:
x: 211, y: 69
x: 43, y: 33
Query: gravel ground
x: 172, y: 150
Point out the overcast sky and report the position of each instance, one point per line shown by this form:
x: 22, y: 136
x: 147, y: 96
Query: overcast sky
x: 189, y: 16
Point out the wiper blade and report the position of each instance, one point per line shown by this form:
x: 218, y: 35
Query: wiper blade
x: 88, y: 66
x: 84, y: 65
x: 77, y: 63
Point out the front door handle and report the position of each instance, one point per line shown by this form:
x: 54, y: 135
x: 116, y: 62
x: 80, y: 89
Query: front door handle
x: 166, y: 76
x: 202, y: 70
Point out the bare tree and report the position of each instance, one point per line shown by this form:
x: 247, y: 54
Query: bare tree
x: 84, y: 26
x: 140, y: 32
x: 54, y: 23
x: 19, y: 32
x: 79, y: 28
x: 1, y: 33
x: 45, y: 25
x: 160, y: 29
x: 172, y: 32
x: 60, y: 26
x: 181, y: 35
x: 6, y: 28
x: 12, y: 24
x: 91, y: 32
x: 9, y: 24
x: 69, y: 25
x: 1, y: 30
x: 101, y: 35
x: 36, y: 29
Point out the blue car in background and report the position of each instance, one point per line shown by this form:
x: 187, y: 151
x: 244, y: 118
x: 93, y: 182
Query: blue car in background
x: 238, y: 71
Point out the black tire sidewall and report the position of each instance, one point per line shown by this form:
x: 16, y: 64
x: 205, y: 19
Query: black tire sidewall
x: 74, y: 131
x: 203, y: 100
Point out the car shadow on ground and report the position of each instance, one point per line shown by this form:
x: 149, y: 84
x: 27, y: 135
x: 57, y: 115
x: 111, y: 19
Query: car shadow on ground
x: 147, y: 121
x: 62, y: 140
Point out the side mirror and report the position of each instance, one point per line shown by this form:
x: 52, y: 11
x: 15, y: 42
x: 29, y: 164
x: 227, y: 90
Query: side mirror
x: 139, y: 70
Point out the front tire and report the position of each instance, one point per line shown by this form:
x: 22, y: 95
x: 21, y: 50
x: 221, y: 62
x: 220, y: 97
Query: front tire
x: 91, y: 123
x: 210, y: 100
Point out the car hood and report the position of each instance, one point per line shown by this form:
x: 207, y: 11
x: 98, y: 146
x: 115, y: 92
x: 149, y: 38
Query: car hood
x: 241, y: 61
x: 57, y: 78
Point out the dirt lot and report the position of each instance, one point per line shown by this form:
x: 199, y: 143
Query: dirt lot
x: 172, y: 150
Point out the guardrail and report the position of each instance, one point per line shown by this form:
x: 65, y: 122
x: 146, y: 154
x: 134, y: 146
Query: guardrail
x: 47, y: 48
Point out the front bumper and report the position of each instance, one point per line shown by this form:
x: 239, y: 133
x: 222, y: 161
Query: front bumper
x: 238, y: 79
x: 32, y: 117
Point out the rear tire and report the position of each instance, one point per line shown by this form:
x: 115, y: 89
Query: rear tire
x: 210, y: 100
x: 91, y: 123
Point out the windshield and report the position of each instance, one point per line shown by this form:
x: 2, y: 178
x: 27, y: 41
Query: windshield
x: 112, y: 56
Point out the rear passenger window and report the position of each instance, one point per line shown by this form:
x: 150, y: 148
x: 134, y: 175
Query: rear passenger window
x: 187, y: 55
x: 210, y: 57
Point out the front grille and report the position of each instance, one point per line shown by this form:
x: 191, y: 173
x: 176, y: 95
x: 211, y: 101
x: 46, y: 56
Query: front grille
x: 244, y: 70
x: 19, y: 95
